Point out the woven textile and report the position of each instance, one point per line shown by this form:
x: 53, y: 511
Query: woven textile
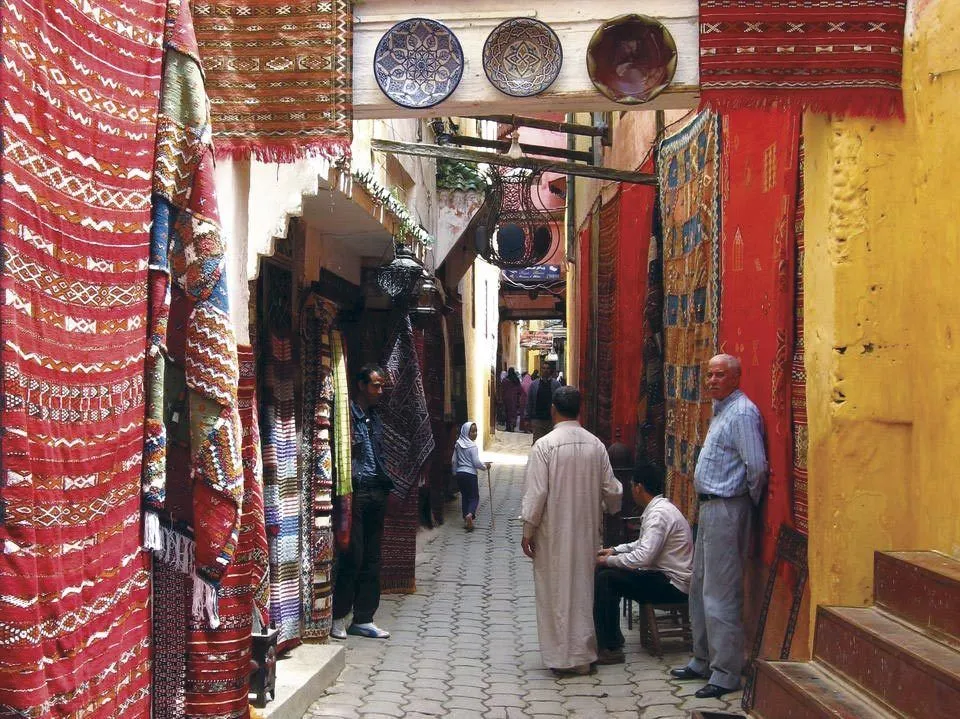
x: 171, y: 608
x: 407, y: 436
x: 688, y: 169
x: 218, y: 660
x: 843, y: 57
x: 587, y: 328
x: 341, y: 418
x: 608, y: 250
x: 759, y: 181
x: 399, y: 553
x: 78, y: 119
x: 653, y: 414
x: 279, y: 76
x: 316, y: 470
x: 190, y: 333
x: 798, y: 373
x: 281, y: 493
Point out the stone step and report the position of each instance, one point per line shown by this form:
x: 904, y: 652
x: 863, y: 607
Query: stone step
x: 920, y: 587
x: 806, y: 690
x: 898, y: 665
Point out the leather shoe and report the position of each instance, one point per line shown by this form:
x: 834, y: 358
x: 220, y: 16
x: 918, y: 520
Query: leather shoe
x: 610, y: 656
x: 711, y: 691
x: 685, y: 673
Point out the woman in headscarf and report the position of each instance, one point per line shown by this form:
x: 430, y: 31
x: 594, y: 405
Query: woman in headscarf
x: 466, y: 462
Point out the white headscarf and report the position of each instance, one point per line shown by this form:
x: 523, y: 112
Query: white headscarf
x: 464, y: 442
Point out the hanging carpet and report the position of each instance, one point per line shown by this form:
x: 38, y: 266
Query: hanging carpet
x: 608, y: 250
x: 759, y: 180
x: 316, y: 472
x: 78, y: 118
x: 688, y: 170
x: 833, y: 56
x: 281, y: 489
x: 798, y: 374
x: 279, y: 76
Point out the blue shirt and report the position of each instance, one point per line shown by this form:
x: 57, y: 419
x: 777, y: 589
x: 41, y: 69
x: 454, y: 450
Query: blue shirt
x: 733, y: 461
x: 367, y: 443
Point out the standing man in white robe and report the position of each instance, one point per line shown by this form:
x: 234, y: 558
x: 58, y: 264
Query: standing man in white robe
x: 569, y: 482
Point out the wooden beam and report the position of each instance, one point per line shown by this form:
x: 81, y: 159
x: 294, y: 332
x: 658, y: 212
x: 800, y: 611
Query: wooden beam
x: 492, y: 158
x: 567, y: 127
x: 574, y: 23
x: 504, y: 145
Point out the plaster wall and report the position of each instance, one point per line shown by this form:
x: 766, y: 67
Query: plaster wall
x: 882, y: 322
x: 479, y: 289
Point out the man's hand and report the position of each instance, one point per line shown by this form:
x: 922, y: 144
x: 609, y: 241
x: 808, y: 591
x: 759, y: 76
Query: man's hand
x: 489, y: 465
x: 528, y: 546
x: 602, y: 556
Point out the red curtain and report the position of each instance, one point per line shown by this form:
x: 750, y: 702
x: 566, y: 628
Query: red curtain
x: 759, y: 187
x: 585, y: 335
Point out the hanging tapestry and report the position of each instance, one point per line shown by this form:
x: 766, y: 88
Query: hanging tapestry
x: 759, y: 188
x: 688, y: 170
x: 399, y: 560
x: 431, y: 349
x: 191, y: 336
x: 281, y: 489
x: 78, y: 117
x: 832, y: 56
x: 608, y: 250
x: 653, y: 412
x: 218, y: 662
x: 798, y: 374
x: 407, y: 437
x: 316, y: 471
x: 279, y: 76
x: 342, y: 445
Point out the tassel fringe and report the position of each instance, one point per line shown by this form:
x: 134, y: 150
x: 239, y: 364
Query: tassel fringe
x: 879, y: 104
x: 266, y: 151
x: 205, y: 602
x: 152, y: 537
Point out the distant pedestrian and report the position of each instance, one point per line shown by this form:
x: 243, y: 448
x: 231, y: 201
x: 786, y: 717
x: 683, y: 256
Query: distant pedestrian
x: 655, y: 568
x: 466, y: 463
x: 569, y: 482
x: 729, y: 479
x: 511, y: 394
x: 539, y: 402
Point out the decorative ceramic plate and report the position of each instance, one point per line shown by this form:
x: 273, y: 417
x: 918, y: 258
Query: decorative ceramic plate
x: 522, y: 57
x: 631, y: 59
x: 418, y: 63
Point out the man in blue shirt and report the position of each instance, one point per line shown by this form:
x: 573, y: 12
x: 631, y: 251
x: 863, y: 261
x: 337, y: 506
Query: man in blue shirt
x: 358, y: 569
x: 729, y: 479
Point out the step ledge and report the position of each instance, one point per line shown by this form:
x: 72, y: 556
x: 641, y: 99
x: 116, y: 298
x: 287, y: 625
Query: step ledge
x: 788, y: 672
x: 302, y: 676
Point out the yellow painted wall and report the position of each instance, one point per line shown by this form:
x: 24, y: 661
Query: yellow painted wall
x: 882, y: 321
x: 480, y: 289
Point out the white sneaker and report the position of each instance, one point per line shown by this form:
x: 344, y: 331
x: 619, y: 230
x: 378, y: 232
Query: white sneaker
x: 339, y: 629
x: 369, y: 630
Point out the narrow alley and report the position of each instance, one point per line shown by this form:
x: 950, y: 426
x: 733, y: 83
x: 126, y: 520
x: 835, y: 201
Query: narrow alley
x: 465, y: 645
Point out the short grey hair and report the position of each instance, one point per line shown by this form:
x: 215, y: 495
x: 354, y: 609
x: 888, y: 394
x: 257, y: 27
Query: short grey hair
x: 732, y: 363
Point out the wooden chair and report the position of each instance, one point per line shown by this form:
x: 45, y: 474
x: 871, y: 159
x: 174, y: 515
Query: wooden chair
x: 663, y: 621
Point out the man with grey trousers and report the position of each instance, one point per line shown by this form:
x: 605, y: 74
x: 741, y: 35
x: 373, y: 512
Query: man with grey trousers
x: 729, y: 479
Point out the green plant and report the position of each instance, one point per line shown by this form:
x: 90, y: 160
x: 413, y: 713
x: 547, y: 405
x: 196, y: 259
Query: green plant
x: 457, y: 175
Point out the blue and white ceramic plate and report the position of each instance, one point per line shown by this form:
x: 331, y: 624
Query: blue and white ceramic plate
x: 418, y: 63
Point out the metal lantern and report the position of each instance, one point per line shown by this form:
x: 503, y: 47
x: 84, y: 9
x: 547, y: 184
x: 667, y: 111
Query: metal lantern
x: 516, y: 233
x: 400, y: 279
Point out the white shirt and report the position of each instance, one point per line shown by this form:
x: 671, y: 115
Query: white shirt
x: 665, y: 544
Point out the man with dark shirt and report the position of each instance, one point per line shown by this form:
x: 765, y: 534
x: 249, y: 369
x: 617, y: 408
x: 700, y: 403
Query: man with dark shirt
x: 358, y: 570
x: 539, y: 401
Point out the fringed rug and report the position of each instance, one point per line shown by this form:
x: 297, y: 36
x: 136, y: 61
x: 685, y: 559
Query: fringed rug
x: 689, y: 173
x: 218, y: 660
x: 833, y: 56
x: 759, y: 180
x: 316, y: 472
x: 281, y: 489
x: 279, y: 76
x: 78, y: 117
x: 399, y: 558
x: 798, y: 374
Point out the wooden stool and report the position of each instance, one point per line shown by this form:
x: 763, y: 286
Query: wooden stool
x: 673, y: 622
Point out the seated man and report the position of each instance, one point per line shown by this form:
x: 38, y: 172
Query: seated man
x: 656, y: 568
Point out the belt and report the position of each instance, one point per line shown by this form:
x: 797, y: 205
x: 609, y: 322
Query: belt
x: 709, y: 497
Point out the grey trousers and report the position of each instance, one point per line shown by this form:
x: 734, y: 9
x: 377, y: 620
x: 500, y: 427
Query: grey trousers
x: 716, y: 590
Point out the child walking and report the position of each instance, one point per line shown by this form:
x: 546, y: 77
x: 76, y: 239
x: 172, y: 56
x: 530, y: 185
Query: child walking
x: 466, y: 462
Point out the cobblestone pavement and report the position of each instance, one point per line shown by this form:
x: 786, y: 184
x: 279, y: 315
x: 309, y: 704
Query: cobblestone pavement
x: 465, y: 645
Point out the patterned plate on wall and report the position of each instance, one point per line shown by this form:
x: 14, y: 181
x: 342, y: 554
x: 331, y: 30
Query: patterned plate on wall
x: 418, y: 63
x: 522, y: 57
x: 631, y: 59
